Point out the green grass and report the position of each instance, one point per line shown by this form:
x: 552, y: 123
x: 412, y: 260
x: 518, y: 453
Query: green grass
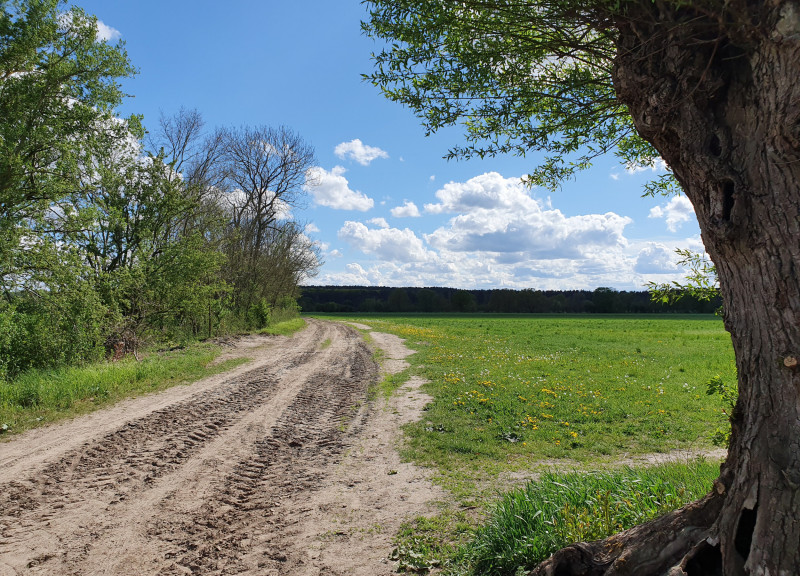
x: 511, y: 390
x: 426, y: 543
x: 39, y: 397
x: 530, y: 523
x: 516, y: 393
x: 285, y: 327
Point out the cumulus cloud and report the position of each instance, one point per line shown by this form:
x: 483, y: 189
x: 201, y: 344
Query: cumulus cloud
x: 106, y: 32
x: 391, y: 244
x: 656, y: 258
x: 358, y: 151
x: 656, y: 165
x: 407, y: 210
x: 497, y: 214
x: 379, y: 222
x: 677, y: 211
x: 498, y: 235
x: 311, y: 228
x: 332, y: 189
x: 487, y: 191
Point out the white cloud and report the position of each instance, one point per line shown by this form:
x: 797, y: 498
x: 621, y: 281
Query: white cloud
x: 497, y: 214
x: 354, y: 275
x: 498, y: 235
x: 332, y: 189
x: 358, y: 151
x: 106, y: 32
x: 677, y: 211
x: 656, y: 165
x: 311, y: 228
x: 391, y: 244
x: 407, y: 210
x: 488, y: 191
x: 379, y: 222
x: 656, y: 258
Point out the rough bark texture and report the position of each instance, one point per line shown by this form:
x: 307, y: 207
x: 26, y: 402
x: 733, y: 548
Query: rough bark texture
x: 717, y: 92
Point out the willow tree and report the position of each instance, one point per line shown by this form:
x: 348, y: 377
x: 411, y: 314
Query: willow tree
x: 711, y: 87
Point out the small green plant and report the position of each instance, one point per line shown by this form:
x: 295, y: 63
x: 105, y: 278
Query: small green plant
x: 717, y: 386
x: 426, y: 542
x: 528, y: 524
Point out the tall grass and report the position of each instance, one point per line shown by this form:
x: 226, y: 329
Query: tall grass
x: 41, y: 396
x: 529, y: 524
x: 284, y: 327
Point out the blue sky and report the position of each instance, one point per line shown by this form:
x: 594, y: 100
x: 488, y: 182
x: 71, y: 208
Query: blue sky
x: 389, y: 210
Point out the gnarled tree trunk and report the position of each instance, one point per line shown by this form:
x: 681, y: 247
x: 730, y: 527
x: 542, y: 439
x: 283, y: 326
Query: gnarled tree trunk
x: 716, y: 89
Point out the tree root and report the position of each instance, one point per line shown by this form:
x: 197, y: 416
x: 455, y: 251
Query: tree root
x: 674, y: 545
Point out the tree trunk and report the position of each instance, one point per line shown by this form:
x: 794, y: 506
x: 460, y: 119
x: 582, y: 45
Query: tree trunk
x: 718, y: 95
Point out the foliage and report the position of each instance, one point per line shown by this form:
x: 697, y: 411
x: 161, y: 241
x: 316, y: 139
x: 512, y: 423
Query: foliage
x: 349, y: 299
x: 729, y: 392
x: 701, y: 281
x: 108, y: 239
x: 58, y: 88
x: 528, y: 524
x: 519, y: 76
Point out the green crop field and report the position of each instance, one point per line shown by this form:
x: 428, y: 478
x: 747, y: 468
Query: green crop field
x: 527, y: 387
x: 564, y: 394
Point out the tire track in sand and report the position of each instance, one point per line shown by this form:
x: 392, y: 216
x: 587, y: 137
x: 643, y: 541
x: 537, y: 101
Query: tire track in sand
x: 194, y: 486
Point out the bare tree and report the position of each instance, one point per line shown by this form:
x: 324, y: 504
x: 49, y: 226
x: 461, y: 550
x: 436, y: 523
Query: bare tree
x: 264, y: 173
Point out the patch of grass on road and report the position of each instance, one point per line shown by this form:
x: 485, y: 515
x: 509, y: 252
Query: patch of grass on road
x: 38, y: 397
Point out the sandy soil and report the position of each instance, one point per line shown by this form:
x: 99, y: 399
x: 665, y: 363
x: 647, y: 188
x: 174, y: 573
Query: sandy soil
x: 281, y: 466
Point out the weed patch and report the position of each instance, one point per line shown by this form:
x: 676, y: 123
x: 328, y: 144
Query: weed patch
x: 38, y: 397
x: 529, y: 524
x: 284, y: 328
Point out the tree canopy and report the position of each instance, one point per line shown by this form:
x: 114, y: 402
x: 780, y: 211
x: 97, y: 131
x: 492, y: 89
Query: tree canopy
x: 517, y: 75
x: 108, y: 237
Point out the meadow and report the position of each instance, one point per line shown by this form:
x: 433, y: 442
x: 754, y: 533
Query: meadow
x: 515, y: 396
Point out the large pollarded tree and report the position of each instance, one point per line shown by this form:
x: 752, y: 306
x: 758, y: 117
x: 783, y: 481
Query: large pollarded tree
x: 712, y: 87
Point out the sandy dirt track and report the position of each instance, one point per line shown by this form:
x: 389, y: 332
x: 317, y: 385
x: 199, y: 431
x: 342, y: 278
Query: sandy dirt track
x: 278, y: 467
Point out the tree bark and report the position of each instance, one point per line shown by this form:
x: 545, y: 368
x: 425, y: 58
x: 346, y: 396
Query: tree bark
x: 716, y: 90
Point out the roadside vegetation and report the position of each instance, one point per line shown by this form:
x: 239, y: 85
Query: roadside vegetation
x: 563, y: 396
x: 41, y: 396
x: 116, y: 236
x: 528, y: 524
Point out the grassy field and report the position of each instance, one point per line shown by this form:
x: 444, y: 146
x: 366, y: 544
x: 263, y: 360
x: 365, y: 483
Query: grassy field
x: 520, y: 389
x: 513, y: 395
x: 39, y: 397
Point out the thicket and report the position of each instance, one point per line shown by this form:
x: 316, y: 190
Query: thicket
x: 111, y: 235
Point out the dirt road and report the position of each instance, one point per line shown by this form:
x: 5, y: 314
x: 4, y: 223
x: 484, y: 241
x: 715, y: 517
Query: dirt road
x: 279, y: 467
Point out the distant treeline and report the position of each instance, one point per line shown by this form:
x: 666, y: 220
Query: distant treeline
x: 600, y: 301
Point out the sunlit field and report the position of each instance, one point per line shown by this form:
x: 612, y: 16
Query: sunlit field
x: 524, y: 388
x: 568, y: 402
